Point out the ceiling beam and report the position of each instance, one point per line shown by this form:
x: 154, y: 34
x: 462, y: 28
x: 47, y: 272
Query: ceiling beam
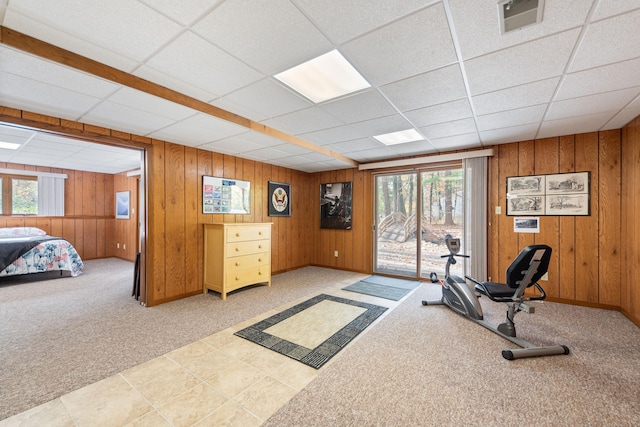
x: 56, y: 54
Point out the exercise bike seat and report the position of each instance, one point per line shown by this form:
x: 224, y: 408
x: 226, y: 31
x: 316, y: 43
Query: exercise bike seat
x: 525, y: 271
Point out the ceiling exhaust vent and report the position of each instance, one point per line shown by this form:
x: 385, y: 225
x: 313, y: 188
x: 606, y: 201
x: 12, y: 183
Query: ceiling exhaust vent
x: 516, y: 14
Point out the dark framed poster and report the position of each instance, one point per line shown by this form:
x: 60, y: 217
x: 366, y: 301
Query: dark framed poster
x: 335, y: 205
x: 279, y: 199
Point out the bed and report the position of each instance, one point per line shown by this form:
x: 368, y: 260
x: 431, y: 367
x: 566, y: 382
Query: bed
x: 26, y: 250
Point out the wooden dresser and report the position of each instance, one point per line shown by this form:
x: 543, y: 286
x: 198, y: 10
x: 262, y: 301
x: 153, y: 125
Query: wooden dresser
x: 236, y: 255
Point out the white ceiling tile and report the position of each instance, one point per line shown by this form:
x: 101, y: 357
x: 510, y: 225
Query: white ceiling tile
x: 267, y: 98
x: 516, y: 117
x: 182, y: 12
x: 270, y: 36
x: 34, y: 68
x: 612, y: 40
x: 126, y: 119
x: 333, y: 135
x: 355, y: 145
x: 440, y: 113
x: 600, y: 103
x: 510, y: 134
x: 152, y: 104
x: 434, y: 87
x: 515, y: 97
x: 457, y: 142
x: 373, y: 155
x: 602, y: 79
x: 413, y: 148
x: 545, y: 58
x: 265, y: 154
x: 574, y: 125
x: 247, y: 113
x: 303, y: 121
x: 456, y: 127
x: 359, y: 107
x: 193, y: 59
x: 477, y: 26
x: 407, y: 47
x: 30, y: 95
x: 125, y: 27
x: 342, y: 21
x: 381, y: 126
x: 605, y: 9
x: 622, y: 118
x: 173, y: 83
x: 197, y: 130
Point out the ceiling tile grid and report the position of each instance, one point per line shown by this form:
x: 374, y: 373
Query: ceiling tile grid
x: 441, y: 67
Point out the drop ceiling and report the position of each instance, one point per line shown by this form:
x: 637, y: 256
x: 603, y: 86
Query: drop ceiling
x: 440, y: 67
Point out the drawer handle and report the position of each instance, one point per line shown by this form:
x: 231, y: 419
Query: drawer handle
x: 259, y: 259
x: 237, y: 278
x: 259, y: 233
x: 237, y: 249
x: 237, y: 234
x: 259, y: 273
x: 259, y: 246
x: 237, y: 264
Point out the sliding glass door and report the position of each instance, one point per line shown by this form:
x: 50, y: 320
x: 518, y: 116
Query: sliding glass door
x: 429, y: 200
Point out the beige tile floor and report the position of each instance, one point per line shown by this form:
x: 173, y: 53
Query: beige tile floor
x: 220, y: 380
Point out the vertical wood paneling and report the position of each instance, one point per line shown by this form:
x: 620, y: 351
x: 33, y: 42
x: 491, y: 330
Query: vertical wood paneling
x: 175, y: 220
x: 205, y: 168
x: 587, y: 262
x: 526, y: 166
x: 566, y: 250
x: 157, y: 219
x: 609, y: 207
x: 509, y: 246
x: 546, y: 162
x: 191, y: 206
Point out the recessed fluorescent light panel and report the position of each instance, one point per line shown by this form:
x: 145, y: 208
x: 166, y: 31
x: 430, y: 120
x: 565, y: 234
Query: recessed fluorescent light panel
x: 399, y: 137
x: 9, y: 145
x: 326, y: 77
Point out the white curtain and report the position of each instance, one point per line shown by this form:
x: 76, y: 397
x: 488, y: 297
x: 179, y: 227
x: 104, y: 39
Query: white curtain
x: 475, y: 216
x: 50, y: 196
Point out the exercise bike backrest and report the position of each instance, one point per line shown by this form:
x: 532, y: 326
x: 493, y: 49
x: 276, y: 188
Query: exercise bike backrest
x: 516, y: 272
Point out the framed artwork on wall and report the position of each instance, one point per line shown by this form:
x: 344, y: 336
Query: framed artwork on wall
x: 123, y: 204
x: 555, y: 194
x: 335, y: 205
x: 279, y: 199
x: 225, y: 196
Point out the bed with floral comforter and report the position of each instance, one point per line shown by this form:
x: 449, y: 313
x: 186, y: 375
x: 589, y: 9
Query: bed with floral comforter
x: 26, y: 250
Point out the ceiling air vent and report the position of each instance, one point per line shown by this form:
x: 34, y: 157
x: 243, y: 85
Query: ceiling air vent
x: 515, y: 14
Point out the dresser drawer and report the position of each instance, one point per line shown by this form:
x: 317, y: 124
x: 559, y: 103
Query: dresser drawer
x: 247, y: 248
x: 239, y: 278
x: 247, y: 261
x: 243, y: 234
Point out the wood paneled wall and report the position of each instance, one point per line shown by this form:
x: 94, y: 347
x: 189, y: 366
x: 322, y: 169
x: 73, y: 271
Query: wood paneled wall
x: 630, y: 220
x: 88, y: 222
x: 595, y: 260
x: 355, y: 246
x: 176, y: 234
x: 126, y: 241
x: 587, y: 252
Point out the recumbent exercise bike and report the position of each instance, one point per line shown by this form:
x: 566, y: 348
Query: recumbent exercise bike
x: 525, y: 271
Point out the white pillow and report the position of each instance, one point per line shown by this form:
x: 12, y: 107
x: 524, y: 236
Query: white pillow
x: 21, y: 231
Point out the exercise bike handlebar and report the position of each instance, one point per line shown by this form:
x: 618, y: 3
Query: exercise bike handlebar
x: 458, y: 255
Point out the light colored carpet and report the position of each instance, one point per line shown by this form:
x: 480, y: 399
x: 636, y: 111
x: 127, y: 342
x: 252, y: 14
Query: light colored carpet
x: 429, y: 366
x: 59, y: 335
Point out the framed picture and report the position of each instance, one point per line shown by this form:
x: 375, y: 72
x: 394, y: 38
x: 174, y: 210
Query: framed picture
x: 225, y: 196
x: 554, y: 194
x: 123, y: 204
x: 279, y: 199
x: 335, y: 205
x: 526, y: 225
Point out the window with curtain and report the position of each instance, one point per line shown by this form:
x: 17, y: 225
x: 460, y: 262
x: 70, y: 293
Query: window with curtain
x: 31, y: 193
x: 475, y: 230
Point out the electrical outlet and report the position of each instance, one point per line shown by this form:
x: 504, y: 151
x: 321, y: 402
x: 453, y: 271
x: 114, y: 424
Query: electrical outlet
x: 335, y: 254
x: 117, y: 245
x: 545, y: 276
x: 498, y: 210
x: 124, y: 246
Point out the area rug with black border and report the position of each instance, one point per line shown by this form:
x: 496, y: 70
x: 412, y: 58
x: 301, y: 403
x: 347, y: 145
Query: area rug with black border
x: 315, y: 330
x: 384, y: 287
